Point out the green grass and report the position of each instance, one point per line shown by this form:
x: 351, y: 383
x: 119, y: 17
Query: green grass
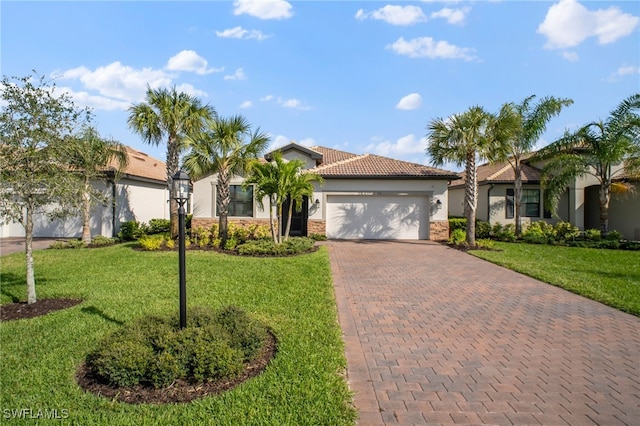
x: 608, y: 276
x: 303, y: 385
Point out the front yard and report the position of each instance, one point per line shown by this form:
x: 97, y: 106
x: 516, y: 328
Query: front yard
x: 608, y: 276
x: 304, y: 384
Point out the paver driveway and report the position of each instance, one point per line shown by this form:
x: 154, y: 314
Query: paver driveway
x: 437, y: 336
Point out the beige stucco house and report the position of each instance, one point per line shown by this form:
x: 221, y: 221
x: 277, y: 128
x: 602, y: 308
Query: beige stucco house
x: 140, y: 194
x: 579, y: 205
x: 362, y: 197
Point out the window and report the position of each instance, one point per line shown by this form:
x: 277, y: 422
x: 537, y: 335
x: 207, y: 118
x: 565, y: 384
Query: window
x: 530, y: 206
x: 241, y: 201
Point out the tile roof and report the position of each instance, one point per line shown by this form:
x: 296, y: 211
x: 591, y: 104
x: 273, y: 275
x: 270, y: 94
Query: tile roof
x: 141, y: 165
x: 502, y: 173
x: 347, y: 165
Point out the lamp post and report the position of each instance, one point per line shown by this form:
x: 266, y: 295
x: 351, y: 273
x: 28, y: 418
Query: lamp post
x: 180, y: 190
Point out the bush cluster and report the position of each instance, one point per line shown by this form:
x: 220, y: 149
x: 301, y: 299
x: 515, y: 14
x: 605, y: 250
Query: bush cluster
x: 155, y: 351
x: 540, y: 232
x: 97, y: 241
x: 295, y: 245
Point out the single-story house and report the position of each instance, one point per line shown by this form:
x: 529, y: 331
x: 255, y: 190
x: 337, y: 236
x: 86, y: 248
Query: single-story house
x: 362, y: 197
x: 140, y: 194
x: 579, y: 205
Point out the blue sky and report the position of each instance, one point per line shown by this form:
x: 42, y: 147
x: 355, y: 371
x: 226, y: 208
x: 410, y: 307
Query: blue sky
x: 360, y: 76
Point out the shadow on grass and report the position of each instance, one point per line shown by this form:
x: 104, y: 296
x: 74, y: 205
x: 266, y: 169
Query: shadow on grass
x: 99, y: 312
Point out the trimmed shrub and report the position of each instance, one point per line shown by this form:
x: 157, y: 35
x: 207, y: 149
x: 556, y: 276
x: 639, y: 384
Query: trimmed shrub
x: 566, y: 231
x: 102, y: 241
x: 155, y: 351
x: 458, y: 237
x: 485, y: 243
x: 296, y: 245
x: 504, y: 232
x: 614, y: 235
x: 483, y: 229
x: 71, y: 244
x: 159, y: 226
x: 539, y: 232
x: 457, y: 223
x: 151, y: 242
x: 593, y: 235
x: 131, y: 230
x: 318, y: 237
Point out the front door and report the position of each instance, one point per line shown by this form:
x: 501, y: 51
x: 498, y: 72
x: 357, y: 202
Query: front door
x: 298, y: 218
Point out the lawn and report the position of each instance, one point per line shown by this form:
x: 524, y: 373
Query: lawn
x: 608, y: 276
x: 303, y: 385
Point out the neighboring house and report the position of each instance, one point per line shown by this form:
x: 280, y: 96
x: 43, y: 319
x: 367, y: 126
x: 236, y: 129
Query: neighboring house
x: 362, y: 197
x: 579, y: 205
x: 140, y: 194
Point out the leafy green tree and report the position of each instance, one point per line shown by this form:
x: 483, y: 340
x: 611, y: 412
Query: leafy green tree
x: 519, y: 127
x: 168, y: 115
x: 298, y: 186
x: 89, y: 157
x: 264, y: 176
x: 225, y: 147
x: 596, y: 149
x: 462, y: 139
x: 35, y: 121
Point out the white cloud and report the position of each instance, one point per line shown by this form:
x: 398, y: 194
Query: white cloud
x: 241, y: 33
x: 95, y: 102
x: 568, y: 23
x: 238, y: 75
x: 188, y: 60
x: 623, y: 72
x: 287, y: 103
x: 246, y: 104
x: 409, y: 102
x: 279, y: 141
x: 395, y: 15
x: 189, y: 89
x: 427, y: 47
x: 294, y: 103
x: 308, y: 142
x: 570, y: 56
x: 453, y: 16
x: 263, y: 9
x: 119, y: 81
x: 406, y: 145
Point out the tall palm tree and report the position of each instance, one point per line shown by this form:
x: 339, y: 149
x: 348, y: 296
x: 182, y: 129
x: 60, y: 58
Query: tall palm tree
x: 264, y: 176
x: 518, y: 127
x: 89, y: 156
x: 225, y: 147
x: 300, y: 185
x: 168, y: 115
x: 595, y: 149
x: 462, y: 139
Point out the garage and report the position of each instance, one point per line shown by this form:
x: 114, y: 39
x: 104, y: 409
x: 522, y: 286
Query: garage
x: 377, y: 217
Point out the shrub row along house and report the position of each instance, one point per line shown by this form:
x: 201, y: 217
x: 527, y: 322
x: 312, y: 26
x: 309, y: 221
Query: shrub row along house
x: 139, y: 194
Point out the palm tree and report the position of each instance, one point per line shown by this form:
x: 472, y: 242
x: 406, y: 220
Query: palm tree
x: 225, y: 147
x: 89, y: 157
x: 595, y: 149
x: 264, y: 177
x: 298, y: 185
x: 169, y: 115
x: 462, y: 139
x: 518, y: 128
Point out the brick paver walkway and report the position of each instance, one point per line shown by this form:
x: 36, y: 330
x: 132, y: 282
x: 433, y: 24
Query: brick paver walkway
x: 436, y: 336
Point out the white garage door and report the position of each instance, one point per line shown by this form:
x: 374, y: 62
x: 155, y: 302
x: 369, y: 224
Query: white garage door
x: 377, y: 217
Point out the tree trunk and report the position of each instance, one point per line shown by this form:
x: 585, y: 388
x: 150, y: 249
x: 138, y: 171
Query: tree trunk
x: 86, y: 213
x: 289, y: 214
x: 471, y: 196
x: 517, y: 198
x: 31, y: 281
x: 223, y: 206
x: 273, y: 229
x: 173, y: 160
x: 605, y: 197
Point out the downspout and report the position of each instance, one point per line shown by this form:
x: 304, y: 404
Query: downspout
x: 489, y: 203
x: 113, y: 208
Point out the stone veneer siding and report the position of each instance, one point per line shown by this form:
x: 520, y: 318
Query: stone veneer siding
x: 439, y: 230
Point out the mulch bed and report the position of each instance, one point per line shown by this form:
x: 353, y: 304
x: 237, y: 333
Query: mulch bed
x: 181, y: 390
x: 22, y: 310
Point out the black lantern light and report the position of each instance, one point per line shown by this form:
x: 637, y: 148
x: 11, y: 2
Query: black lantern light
x: 180, y: 191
